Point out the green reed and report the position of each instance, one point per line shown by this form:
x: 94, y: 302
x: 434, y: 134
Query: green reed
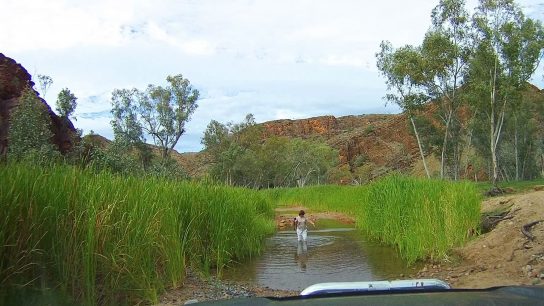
x: 422, y: 218
x: 105, y: 239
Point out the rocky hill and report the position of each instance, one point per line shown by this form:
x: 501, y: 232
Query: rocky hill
x: 381, y: 142
x: 13, y: 79
x: 382, y: 139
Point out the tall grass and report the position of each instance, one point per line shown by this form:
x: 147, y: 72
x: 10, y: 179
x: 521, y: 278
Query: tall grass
x: 422, y: 218
x: 104, y: 239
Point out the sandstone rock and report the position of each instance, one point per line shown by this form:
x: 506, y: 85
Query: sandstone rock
x: 383, y: 140
x: 13, y: 79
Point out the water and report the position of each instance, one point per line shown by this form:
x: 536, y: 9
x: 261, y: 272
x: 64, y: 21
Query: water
x: 335, y: 253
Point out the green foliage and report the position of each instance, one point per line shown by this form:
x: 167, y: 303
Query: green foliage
x: 403, y: 71
x: 30, y: 131
x: 422, y: 218
x: 127, y: 129
x: 166, y: 168
x: 159, y: 111
x: 66, y: 103
x: 215, y: 137
x: 369, y: 129
x: 114, y: 159
x: 44, y: 82
x: 490, y: 57
x: 110, y: 240
x: 240, y: 157
x: 165, y: 110
x: 509, y: 47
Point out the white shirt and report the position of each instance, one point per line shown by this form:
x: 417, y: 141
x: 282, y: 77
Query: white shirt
x: 301, y: 223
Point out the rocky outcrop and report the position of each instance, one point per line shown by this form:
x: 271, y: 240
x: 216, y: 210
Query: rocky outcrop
x: 13, y: 79
x: 383, y: 139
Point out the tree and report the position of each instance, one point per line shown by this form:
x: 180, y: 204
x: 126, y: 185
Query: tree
x: 309, y: 160
x: 66, y: 103
x: 445, y: 52
x: 241, y: 157
x: 508, y: 53
x: 215, y: 137
x: 127, y: 129
x: 402, y: 69
x: 45, y: 82
x: 30, y: 129
x: 232, y: 149
x: 164, y: 111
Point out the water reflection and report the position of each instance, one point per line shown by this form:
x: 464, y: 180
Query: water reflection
x: 301, y: 256
x: 330, y: 254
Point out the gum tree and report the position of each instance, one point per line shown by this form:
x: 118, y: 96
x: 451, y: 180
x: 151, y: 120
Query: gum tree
x: 402, y: 69
x: 509, y: 49
x: 445, y: 52
x: 163, y: 111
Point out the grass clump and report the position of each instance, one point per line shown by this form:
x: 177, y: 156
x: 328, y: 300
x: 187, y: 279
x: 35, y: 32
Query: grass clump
x: 422, y: 218
x: 105, y: 239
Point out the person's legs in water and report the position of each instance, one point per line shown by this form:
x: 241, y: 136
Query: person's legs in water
x: 302, y: 247
x: 299, y: 235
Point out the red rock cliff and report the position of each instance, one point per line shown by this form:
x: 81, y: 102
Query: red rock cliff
x: 13, y: 79
x: 384, y: 140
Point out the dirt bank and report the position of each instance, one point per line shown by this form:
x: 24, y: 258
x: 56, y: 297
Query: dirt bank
x: 503, y: 256
x: 285, y: 216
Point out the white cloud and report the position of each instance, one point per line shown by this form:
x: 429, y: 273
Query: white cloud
x: 343, y: 60
x: 275, y: 59
x: 30, y: 25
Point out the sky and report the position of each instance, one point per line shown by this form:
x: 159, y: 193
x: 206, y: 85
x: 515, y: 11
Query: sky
x: 281, y: 59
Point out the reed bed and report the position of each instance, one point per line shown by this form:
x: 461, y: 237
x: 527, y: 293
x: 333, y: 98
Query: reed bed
x: 103, y: 239
x: 422, y: 218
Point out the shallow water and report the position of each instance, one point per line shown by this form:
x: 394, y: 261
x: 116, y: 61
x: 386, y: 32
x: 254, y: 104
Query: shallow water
x: 334, y: 253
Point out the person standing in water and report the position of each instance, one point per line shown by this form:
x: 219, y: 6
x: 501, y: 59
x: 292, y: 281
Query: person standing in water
x: 301, y: 227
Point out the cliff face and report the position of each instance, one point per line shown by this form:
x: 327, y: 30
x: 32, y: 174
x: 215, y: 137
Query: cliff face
x: 383, y: 140
x: 13, y: 79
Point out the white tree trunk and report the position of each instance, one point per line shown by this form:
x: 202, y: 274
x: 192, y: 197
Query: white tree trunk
x: 516, y: 153
x: 420, y: 148
x: 445, y: 144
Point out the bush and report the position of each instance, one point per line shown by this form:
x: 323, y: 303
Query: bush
x: 30, y: 131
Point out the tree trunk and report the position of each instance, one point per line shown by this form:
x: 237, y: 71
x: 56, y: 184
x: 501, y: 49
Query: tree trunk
x: 492, y: 128
x: 542, y: 164
x: 469, y: 144
x: 516, y: 153
x: 420, y: 148
x: 445, y: 144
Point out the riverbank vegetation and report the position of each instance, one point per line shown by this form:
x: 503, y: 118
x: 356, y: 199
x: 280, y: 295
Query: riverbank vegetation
x: 422, y: 218
x: 475, y: 69
x: 105, y: 239
x: 240, y: 157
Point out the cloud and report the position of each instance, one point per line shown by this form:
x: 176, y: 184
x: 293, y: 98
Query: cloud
x: 94, y: 115
x: 275, y: 59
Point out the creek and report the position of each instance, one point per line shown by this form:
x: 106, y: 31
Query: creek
x: 334, y: 252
